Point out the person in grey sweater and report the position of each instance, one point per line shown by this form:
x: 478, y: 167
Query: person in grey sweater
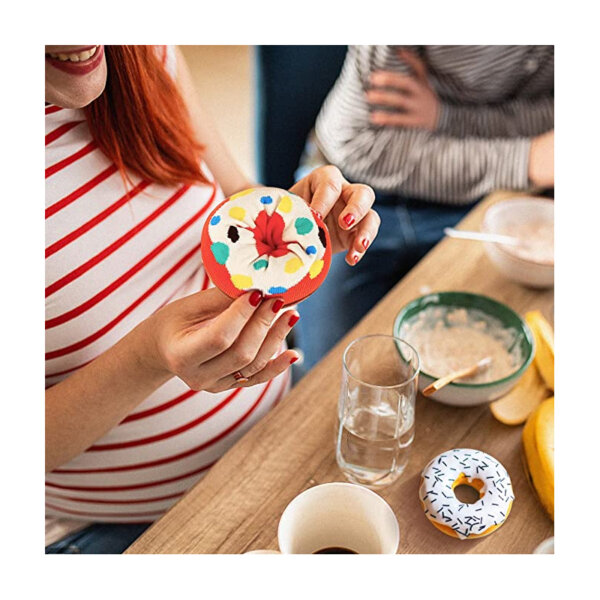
x: 432, y: 129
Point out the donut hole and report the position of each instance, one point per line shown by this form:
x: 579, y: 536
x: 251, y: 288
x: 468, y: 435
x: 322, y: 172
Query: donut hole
x: 466, y: 494
x: 467, y: 490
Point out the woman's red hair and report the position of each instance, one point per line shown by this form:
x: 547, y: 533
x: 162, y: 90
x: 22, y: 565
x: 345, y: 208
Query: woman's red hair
x: 140, y: 120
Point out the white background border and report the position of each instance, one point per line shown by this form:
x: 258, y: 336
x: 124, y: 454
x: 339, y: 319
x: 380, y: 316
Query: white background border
x: 572, y: 27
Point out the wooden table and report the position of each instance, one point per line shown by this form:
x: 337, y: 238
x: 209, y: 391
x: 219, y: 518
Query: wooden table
x: 237, y: 506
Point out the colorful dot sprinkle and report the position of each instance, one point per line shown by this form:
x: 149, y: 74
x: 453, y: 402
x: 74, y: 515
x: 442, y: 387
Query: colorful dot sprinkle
x: 237, y: 212
x: 303, y: 225
x: 277, y: 290
x: 241, y: 282
x: 292, y: 265
x: 285, y: 204
x: 315, y: 268
x: 260, y: 264
x: 266, y: 200
x: 311, y: 250
x: 240, y: 194
x: 215, y: 220
x: 220, y: 252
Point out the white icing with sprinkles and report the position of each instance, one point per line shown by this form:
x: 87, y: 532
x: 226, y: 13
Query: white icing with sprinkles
x: 295, y: 247
x: 442, y: 506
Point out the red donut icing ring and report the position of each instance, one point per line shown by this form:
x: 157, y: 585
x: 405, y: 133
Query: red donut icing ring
x: 266, y: 239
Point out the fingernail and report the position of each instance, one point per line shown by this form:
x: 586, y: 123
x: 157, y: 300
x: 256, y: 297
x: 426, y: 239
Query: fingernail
x: 277, y: 305
x: 255, y: 298
x: 349, y: 220
x: 365, y: 243
x: 354, y: 259
x: 293, y: 360
x: 318, y: 214
x: 293, y: 320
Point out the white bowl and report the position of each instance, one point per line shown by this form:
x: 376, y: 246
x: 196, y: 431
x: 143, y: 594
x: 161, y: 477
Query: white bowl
x: 501, y: 218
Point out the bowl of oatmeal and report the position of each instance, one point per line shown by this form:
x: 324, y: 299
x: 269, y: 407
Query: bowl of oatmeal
x: 530, y: 220
x: 454, y: 330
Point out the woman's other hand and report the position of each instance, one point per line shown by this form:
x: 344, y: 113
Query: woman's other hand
x: 345, y: 207
x: 408, y: 100
x: 541, y: 160
x: 207, y: 337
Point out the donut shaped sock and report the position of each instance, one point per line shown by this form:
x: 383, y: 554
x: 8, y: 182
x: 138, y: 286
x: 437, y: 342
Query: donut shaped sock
x: 266, y: 239
x: 463, y: 466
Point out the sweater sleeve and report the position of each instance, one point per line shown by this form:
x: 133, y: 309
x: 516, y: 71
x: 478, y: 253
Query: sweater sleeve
x: 512, y: 118
x: 428, y: 165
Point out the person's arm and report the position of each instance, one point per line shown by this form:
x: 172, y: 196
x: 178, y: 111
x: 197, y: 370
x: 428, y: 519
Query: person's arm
x: 512, y: 118
x: 203, y: 339
x: 422, y: 164
x: 216, y: 155
x: 541, y: 160
x: 83, y: 407
x: 408, y: 99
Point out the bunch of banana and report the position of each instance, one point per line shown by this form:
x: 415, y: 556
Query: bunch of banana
x: 538, y: 448
x: 538, y: 379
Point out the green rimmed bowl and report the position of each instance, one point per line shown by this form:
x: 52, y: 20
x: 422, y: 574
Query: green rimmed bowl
x: 472, y: 394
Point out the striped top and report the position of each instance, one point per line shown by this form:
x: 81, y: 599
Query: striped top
x: 494, y: 99
x: 110, y: 263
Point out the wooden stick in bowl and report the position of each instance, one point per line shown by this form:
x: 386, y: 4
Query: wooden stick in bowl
x: 438, y: 384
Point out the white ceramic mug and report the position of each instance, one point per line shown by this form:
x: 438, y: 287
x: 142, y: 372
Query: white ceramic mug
x: 343, y: 515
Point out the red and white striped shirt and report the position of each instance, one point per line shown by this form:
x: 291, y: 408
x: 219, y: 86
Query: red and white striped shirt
x: 111, y: 261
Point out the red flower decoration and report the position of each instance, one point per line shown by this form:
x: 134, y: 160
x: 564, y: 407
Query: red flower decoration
x: 268, y: 234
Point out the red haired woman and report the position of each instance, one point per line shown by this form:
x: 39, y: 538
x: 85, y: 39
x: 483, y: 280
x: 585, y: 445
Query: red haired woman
x: 140, y: 351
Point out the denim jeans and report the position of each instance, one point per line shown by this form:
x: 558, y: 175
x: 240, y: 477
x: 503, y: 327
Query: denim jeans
x: 100, y: 538
x: 409, y: 229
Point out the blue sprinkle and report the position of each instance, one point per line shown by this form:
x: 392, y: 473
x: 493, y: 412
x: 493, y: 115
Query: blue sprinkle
x: 266, y: 200
x: 215, y: 220
x: 277, y: 290
x: 311, y: 250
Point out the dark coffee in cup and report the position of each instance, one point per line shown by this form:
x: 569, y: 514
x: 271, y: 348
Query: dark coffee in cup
x: 335, y: 550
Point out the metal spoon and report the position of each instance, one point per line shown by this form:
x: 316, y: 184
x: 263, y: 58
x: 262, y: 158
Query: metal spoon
x: 494, y: 238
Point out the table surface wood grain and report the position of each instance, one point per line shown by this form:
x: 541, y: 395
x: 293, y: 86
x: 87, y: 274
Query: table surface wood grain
x: 237, y: 506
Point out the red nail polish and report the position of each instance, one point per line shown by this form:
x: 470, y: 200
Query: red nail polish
x: 293, y: 320
x: 318, y: 214
x: 255, y: 298
x: 349, y: 220
x: 365, y: 243
x: 355, y: 259
x: 277, y: 305
x: 293, y: 360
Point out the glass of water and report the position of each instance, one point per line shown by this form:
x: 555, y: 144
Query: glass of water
x: 376, y: 410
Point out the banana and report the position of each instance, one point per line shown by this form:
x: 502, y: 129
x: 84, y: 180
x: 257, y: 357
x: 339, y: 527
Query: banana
x: 538, y: 446
x: 522, y: 400
x: 544, y: 346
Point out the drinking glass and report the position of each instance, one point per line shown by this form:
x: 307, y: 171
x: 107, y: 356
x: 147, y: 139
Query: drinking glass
x: 376, y: 409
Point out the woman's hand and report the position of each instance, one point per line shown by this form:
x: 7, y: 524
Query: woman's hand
x: 345, y: 207
x: 409, y: 100
x: 207, y: 337
x: 541, y: 160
